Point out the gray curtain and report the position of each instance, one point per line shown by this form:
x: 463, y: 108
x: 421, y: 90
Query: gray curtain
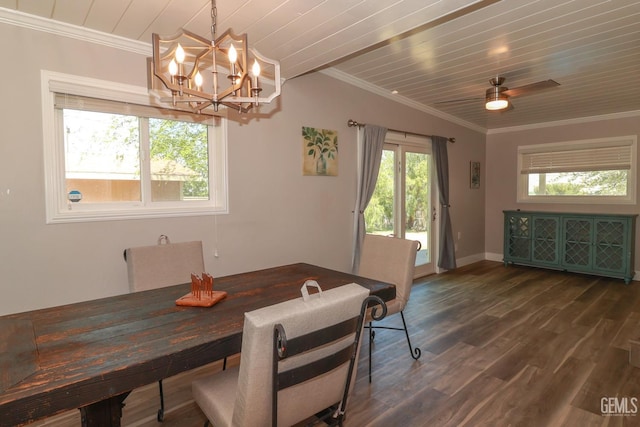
x: 447, y: 256
x: 370, y: 154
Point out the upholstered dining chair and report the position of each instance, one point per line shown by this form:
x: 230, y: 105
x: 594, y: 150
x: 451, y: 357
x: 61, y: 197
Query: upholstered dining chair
x: 390, y: 260
x: 298, y: 359
x: 164, y: 264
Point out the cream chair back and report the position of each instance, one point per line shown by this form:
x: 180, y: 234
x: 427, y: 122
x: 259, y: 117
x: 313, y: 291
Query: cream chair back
x: 249, y: 402
x: 161, y: 265
x: 390, y: 260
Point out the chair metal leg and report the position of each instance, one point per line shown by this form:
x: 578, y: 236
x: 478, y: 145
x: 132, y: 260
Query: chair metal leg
x: 370, y: 345
x: 161, y: 410
x: 415, y: 352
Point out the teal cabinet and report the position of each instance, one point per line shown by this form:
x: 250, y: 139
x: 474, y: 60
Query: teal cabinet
x: 586, y: 243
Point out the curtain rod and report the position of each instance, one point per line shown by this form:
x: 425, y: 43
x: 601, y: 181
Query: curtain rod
x: 352, y: 123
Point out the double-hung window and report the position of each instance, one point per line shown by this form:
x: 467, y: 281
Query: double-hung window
x: 588, y: 171
x: 111, y: 155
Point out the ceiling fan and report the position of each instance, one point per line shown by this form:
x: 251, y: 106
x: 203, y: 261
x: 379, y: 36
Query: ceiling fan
x: 497, y: 96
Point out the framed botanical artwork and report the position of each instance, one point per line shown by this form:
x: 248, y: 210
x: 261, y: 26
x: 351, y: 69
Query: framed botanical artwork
x: 474, y: 175
x: 319, y: 152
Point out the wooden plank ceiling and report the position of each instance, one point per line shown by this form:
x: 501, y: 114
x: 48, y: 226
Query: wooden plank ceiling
x: 429, y: 51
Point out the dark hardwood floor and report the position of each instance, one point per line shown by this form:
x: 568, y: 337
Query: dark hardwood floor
x: 501, y: 346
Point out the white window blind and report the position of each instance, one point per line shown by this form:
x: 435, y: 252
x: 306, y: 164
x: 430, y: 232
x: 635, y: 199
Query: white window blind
x: 615, y: 157
x: 77, y: 102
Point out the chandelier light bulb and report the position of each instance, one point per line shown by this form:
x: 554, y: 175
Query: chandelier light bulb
x: 180, y: 54
x: 173, y: 68
x: 198, y: 80
x: 255, y: 69
x: 233, y: 55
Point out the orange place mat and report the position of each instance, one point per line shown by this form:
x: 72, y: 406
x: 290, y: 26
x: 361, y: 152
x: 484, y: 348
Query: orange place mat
x: 205, y: 300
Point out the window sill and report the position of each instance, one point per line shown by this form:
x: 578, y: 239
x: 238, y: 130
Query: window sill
x: 583, y: 200
x: 123, y: 214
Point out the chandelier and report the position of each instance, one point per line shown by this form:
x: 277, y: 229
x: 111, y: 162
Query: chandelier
x: 194, y: 74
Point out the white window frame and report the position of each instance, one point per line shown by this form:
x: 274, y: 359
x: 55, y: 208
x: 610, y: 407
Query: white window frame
x: 522, y: 179
x: 58, y: 207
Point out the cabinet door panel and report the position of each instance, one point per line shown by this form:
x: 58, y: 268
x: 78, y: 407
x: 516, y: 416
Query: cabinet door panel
x: 577, y: 242
x: 610, y: 244
x: 545, y: 240
x: 519, y: 237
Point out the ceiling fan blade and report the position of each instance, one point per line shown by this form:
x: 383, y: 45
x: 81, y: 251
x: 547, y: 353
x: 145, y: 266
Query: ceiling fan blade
x: 456, y: 101
x: 533, y: 87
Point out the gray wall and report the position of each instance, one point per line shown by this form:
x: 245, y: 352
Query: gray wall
x: 277, y: 216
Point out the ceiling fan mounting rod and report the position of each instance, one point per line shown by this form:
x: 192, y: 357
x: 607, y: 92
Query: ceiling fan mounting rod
x: 497, y: 81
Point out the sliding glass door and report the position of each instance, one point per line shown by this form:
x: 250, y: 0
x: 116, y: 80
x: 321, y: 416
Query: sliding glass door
x: 402, y: 204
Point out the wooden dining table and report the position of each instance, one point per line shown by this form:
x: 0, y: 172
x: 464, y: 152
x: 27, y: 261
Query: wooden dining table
x: 90, y: 355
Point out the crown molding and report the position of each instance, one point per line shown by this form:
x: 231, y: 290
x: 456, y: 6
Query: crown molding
x: 38, y: 23
x: 337, y: 74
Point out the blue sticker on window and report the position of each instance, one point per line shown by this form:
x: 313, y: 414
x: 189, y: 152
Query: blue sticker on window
x: 74, y: 196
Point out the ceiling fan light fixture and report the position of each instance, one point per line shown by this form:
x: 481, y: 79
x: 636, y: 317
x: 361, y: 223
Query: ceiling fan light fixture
x: 496, y: 99
x: 497, y: 104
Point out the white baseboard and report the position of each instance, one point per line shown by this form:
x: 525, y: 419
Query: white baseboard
x: 489, y: 256
x: 461, y: 262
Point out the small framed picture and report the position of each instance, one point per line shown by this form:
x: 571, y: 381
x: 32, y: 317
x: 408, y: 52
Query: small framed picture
x: 474, y: 175
x: 319, y: 152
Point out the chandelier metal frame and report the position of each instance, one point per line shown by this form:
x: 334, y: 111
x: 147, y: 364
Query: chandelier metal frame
x: 199, y: 75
